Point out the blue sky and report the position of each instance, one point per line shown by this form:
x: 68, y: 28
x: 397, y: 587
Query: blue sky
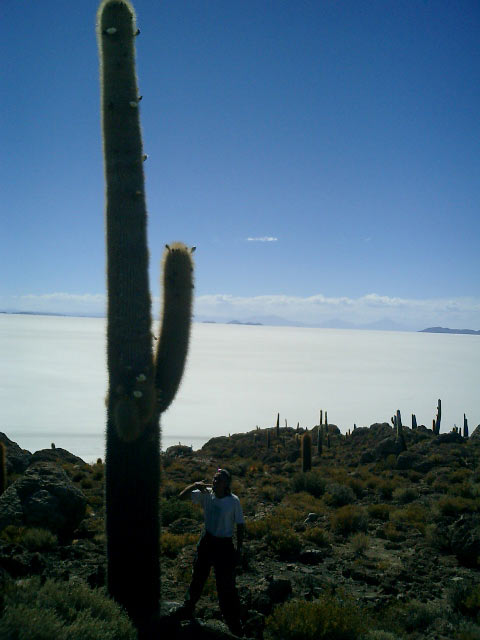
x: 322, y: 155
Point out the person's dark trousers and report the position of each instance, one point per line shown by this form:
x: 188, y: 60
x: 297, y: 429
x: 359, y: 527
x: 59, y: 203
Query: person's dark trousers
x: 218, y: 553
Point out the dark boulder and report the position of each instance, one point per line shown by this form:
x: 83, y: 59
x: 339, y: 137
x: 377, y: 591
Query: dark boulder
x: 43, y: 497
x: 465, y: 539
x: 380, y: 430
x: 386, y: 447
x: 449, y: 438
x: 57, y: 456
x: 279, y: 589
x: 408, y: 460
x: 179, y: 451
x: 17, y: 459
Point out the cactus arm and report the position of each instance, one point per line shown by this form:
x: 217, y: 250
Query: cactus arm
x: 176, y: 322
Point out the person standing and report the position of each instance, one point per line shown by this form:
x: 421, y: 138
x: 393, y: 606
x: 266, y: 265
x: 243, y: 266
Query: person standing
x: 222, y: 511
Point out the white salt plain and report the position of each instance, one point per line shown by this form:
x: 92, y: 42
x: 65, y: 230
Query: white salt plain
x: 53, y: 380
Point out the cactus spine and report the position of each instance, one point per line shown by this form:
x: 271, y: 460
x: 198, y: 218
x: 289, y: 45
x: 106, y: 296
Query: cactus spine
x: 3, y: 468
x: 139, y: 388
x: 306, y: 452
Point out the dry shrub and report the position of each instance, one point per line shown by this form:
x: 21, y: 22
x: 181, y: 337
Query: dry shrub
x: 317, y: 536
x: 360, y: 542
x: 349, y: 519
x: 454, y: 506
x: 330, y: 617
x: 171, y: 543
x: 379, y: 511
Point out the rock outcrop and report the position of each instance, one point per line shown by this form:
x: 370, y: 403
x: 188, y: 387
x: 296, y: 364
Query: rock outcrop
x: 43, y: 497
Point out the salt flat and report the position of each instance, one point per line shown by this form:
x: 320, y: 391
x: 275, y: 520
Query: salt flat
x: 53, y: 380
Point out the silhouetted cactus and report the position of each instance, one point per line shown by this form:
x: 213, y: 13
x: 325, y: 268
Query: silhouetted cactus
x: 438, y: 417
x: 139, y: 387
x: 278, y: 425
x: 321, y: 417
x: 319, y: 441
x: 3, y: 468
x: 399, y: 427
x: 465, y: 426
x: 326, y: 420
x: 414, y: 421
x: 306, y: 452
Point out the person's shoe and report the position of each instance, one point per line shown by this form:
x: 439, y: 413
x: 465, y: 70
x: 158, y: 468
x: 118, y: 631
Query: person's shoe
x: 185, y: 612
x: 237, y: 629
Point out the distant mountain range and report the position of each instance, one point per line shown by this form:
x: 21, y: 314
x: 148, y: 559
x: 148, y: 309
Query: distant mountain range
x: 384, y: 324
x: 445, y: 330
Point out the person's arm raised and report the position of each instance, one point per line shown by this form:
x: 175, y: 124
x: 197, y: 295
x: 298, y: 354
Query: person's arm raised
x: 196, y: 486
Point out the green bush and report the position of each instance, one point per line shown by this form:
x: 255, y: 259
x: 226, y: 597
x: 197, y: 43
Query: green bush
x: 338, y: 495
x: 311, y: 482
x: 331, y: 617
x: 360, y: 542
x: 464, y: 598
x: 284, y: 542
x: 317, y: 535
x: 171, y: 544
x: 377, y: 634
x: 173, y: 509
x: 39, y: 540
x: 404, y: 495
x: 349, y: 519
x: 454, y: 506
x: 385, y: 490
x: 418, y: 616
x: 468, y: 631
x: 379, y: 511
x: 62, y: 611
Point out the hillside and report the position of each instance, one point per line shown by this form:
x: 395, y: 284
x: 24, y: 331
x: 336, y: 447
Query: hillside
x: 375, y: 542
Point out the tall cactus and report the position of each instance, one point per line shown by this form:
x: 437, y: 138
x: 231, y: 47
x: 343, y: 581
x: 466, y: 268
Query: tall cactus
x: 399, y: 427
x: 438, y: 417
x: 3, y: 468
x: 306, y: 452
x: 139, y: 387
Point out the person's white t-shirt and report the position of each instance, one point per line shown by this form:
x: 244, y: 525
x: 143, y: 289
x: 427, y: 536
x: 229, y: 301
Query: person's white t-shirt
x: 221, y: 514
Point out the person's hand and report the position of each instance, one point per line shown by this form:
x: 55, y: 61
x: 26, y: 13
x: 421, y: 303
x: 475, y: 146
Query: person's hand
x: 201, y: 486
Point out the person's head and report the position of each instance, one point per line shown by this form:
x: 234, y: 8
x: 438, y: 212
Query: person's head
x: 222, y: 482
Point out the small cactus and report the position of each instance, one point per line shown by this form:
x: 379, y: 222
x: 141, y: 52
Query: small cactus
x: 465, y: 426
x: 278, y: 426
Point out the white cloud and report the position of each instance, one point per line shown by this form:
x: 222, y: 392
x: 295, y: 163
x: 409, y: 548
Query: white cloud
x: 322, y: 310
x: 263, y: 239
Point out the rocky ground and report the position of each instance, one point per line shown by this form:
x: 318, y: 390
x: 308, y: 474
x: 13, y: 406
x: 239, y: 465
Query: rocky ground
x: 394, y: 531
